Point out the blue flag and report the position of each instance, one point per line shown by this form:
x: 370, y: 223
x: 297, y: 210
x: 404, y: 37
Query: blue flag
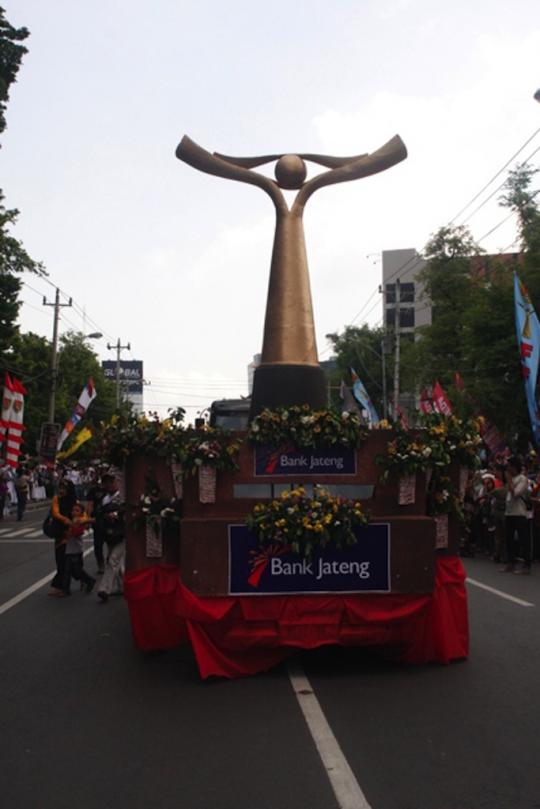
x: 362, y: 397
x: 528, y: 337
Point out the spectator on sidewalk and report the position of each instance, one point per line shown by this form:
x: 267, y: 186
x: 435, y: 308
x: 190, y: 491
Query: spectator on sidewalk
x: 22, y: 487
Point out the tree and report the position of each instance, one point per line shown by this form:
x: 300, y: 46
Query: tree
x: 522, y: 199
x: 14, y: 259
x: 450, y: 286
x: 29, y: 360
x: 360, y: 347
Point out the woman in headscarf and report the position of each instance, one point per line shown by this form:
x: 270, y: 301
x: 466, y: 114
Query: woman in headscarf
x: 61, y: 508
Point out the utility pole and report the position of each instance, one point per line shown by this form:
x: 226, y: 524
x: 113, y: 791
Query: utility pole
x: 118, y: 348
x: 384, y: 352
x: 54, y: 351
x: 397, y: 351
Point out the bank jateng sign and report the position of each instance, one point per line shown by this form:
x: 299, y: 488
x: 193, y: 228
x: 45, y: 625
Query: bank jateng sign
x: 360, y: 568
x: 289, y: 461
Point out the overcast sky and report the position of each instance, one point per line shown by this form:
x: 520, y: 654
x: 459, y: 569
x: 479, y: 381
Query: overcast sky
x: 175, y: 261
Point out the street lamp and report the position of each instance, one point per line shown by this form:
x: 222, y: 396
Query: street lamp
x: 536, y: 96
x: 95, y: 335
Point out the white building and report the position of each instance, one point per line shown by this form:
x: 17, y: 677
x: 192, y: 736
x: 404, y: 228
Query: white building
x: 403, y: 290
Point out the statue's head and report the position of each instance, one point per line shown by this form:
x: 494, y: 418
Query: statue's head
x: 290, y: 171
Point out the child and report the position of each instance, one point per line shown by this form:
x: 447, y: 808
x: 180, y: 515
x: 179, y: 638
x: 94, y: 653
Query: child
x: 74, y: 551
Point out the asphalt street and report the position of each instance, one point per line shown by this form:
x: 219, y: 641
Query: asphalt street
x: 87, y: 721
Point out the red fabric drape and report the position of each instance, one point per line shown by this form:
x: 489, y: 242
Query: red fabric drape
x: 235, y: 636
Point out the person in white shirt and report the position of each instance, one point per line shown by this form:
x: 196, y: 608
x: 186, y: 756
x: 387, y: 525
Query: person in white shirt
x: 516, y: 522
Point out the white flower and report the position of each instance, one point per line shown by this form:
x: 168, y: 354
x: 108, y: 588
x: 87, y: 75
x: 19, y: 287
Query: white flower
x: 345, y: 415
x: 198, y: 461
x: 426, y: 452
x: 254, y: 428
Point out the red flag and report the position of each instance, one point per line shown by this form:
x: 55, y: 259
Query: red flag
x: 458, y: 381
x: 426, y: 403
x: 402, y: 418
x: 441, y: 401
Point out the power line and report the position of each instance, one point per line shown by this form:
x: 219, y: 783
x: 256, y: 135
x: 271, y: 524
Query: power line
x: 495, y: 176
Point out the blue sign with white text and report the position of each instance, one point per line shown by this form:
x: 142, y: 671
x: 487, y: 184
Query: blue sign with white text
x: 364, y: 567
x: 289, y: 461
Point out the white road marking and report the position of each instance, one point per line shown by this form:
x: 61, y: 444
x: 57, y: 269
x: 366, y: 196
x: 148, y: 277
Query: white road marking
x: 342, y: 780
x: 38, y: 533
x: 24, y: 541
x: 499, y: 593
x: 7, y: 605
x: 19, y: 532
x: 28, y: 541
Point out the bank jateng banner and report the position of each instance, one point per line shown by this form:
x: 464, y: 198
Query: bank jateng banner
x: 290, y: 461
x: 364, y: 567
x: 528, y: 337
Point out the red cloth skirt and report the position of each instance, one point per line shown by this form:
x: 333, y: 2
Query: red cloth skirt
x: 234, y: 636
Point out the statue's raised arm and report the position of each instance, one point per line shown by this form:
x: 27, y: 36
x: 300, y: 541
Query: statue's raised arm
x: 289, y: 372
x: 353, y: 168
x: 193, y: 154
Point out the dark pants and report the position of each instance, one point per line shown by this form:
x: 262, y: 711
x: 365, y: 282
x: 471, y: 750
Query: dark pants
x: 73, y: 567
x: 22, y: 497
x: 98, y: 548
x: 522, y: 527
x: 60, y: 559
x: 2, y: 505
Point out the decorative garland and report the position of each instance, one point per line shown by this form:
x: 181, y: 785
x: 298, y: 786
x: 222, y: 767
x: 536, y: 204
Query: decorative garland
x: 305, y: 428
x: 209, y: 446
x: 441, y: 440
x: 305, y: 524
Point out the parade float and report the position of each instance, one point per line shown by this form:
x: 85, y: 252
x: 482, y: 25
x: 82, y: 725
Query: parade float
x: 307, y: 528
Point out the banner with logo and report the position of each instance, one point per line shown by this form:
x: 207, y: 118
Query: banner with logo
x: 360, y: 568
x: 528, y: 337
x: 305, y: 462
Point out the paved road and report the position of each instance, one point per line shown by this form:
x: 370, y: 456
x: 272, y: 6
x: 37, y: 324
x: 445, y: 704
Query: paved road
x: 87, y: 721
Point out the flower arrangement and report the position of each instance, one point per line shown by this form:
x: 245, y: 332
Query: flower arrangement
x: 406, y: 454
x: 440, y: 440
x: 304, y: 427
x: 442, y: 497
x: 304, y: 524
x: 126, y: 435
x: 454, y: 437
x: 209, y: 446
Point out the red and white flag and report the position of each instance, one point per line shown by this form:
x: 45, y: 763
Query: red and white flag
x: 7, y: 398
x: 441, y: 401
x: 426, y: 402
x: 13, y: 420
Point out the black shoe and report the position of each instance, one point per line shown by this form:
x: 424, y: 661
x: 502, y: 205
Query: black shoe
x: 103, y: 595
x: 89, y: 586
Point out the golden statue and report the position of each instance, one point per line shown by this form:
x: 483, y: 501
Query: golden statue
x: 289, y: 372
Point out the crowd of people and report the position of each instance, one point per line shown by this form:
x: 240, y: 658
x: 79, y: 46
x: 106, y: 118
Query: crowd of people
x: 502, y: 513
x: 93, y: 503
x: 83, y: 501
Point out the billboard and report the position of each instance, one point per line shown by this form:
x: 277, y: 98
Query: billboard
x: 131, y: 375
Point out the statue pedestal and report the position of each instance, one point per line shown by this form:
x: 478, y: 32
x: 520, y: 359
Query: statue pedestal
x: 287, y: 385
